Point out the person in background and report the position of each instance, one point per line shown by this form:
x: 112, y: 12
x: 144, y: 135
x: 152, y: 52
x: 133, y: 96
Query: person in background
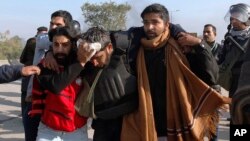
x: 233, y: 56
x: 240, y: 100
x: 9, y: 73
x: 209, y: 36
x: 26, y: 59
x: 235, y: 45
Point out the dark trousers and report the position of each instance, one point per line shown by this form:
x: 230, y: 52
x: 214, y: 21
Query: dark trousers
x: 107, y: 130
x: 24, y: 86
x: 30, y: 124
x: 23, y: 103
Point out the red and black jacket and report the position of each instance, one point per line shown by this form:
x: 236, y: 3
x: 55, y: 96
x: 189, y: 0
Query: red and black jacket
x: 53, y: 97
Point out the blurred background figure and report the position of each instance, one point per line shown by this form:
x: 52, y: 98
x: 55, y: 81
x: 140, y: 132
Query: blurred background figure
x: 26, y: 59
x: 233, y: 53
x: 209, y: 36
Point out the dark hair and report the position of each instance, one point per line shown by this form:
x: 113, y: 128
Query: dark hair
x: 210, y: 25
x: 97, y: 34
x: 67, y: 17
x: 156, y: 8
x: 64, y: 31
x: 42, y: 28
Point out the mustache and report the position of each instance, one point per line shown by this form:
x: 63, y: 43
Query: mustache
x: 150, y: 32
x: 60, y: 55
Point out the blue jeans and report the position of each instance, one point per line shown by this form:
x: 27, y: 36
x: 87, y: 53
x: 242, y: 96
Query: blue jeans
x: 47, y: 134
x: 30, y: 124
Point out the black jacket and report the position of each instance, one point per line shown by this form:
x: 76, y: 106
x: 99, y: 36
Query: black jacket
x: 27, y: 55
x: 227, y: 55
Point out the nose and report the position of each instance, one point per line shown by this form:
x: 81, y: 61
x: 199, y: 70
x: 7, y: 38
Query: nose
x: 150, y: 26
x: 53, y: 26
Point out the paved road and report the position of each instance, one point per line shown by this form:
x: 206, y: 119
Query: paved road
x: 11, y: 128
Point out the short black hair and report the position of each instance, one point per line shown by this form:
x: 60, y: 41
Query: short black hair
x: 156, y: 8
x: 64, y: 31
x: 67, y: 17
x: 210, y: 25
x: 42, y: 28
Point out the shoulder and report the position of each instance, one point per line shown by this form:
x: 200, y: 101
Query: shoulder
x: 218, y: 45
x: 31, y: 41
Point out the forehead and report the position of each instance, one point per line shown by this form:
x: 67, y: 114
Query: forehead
x: 57, y: 20
x: 60, y: 38
x: 208, y: 28
x: 152, y: 17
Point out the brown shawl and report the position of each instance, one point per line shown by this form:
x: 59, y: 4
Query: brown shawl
x: 190, y: 102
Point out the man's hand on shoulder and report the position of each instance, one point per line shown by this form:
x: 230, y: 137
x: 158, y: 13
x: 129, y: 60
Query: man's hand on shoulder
x: 187, y: 41
x: 50, y: 62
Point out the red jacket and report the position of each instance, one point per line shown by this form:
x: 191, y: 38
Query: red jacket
x: 58, y: 110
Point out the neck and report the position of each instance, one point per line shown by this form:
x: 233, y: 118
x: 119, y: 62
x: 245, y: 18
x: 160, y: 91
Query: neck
x: 211, y: 44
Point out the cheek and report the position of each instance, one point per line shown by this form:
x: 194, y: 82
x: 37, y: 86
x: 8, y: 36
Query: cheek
x: 94, y: 62
x: 65, y: 50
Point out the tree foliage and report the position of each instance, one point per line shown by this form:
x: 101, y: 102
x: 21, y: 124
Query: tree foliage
x: 109, y: 15
x: 10, y: 47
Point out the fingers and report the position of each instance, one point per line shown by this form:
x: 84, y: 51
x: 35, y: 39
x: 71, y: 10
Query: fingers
x: 30, y: 70
x: 37, y: 70
x: 181, y: 34
x: 53, y: 65
x: 50, y: 62
x: 86, y: 52
x: 186, y: 39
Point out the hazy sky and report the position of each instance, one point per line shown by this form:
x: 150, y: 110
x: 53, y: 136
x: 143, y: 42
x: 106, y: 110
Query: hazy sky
x: 22, y: 17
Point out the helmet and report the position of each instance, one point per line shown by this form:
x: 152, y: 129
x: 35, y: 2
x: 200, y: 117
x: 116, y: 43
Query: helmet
x: 240, y: 12
x: 76, y: 27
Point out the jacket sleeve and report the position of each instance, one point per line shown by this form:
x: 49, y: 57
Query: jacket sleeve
x: 175, y: 29
x: 10, y: 73
x: 204, y: 65
x: 27, y: 55
x: 56, y: 82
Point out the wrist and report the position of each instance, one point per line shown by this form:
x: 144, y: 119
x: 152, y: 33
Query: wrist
x: 202, y: 43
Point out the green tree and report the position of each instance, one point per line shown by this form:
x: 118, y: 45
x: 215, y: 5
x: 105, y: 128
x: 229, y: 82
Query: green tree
x: 10, y: 47
x: 108, y: 14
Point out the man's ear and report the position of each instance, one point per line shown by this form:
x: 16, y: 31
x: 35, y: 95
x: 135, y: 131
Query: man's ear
x: 110, y: 48
x: 167, y: 25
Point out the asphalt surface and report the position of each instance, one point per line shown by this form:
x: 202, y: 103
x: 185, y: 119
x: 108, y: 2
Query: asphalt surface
x: 11, y: 128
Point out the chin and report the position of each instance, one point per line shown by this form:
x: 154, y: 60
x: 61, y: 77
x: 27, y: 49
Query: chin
x: 150, y: 37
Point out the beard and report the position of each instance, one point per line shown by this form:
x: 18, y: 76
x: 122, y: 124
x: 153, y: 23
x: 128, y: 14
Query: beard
x: 61, y: 58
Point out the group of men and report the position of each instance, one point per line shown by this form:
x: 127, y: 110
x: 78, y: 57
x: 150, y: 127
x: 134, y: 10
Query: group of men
x: 177, y: 76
